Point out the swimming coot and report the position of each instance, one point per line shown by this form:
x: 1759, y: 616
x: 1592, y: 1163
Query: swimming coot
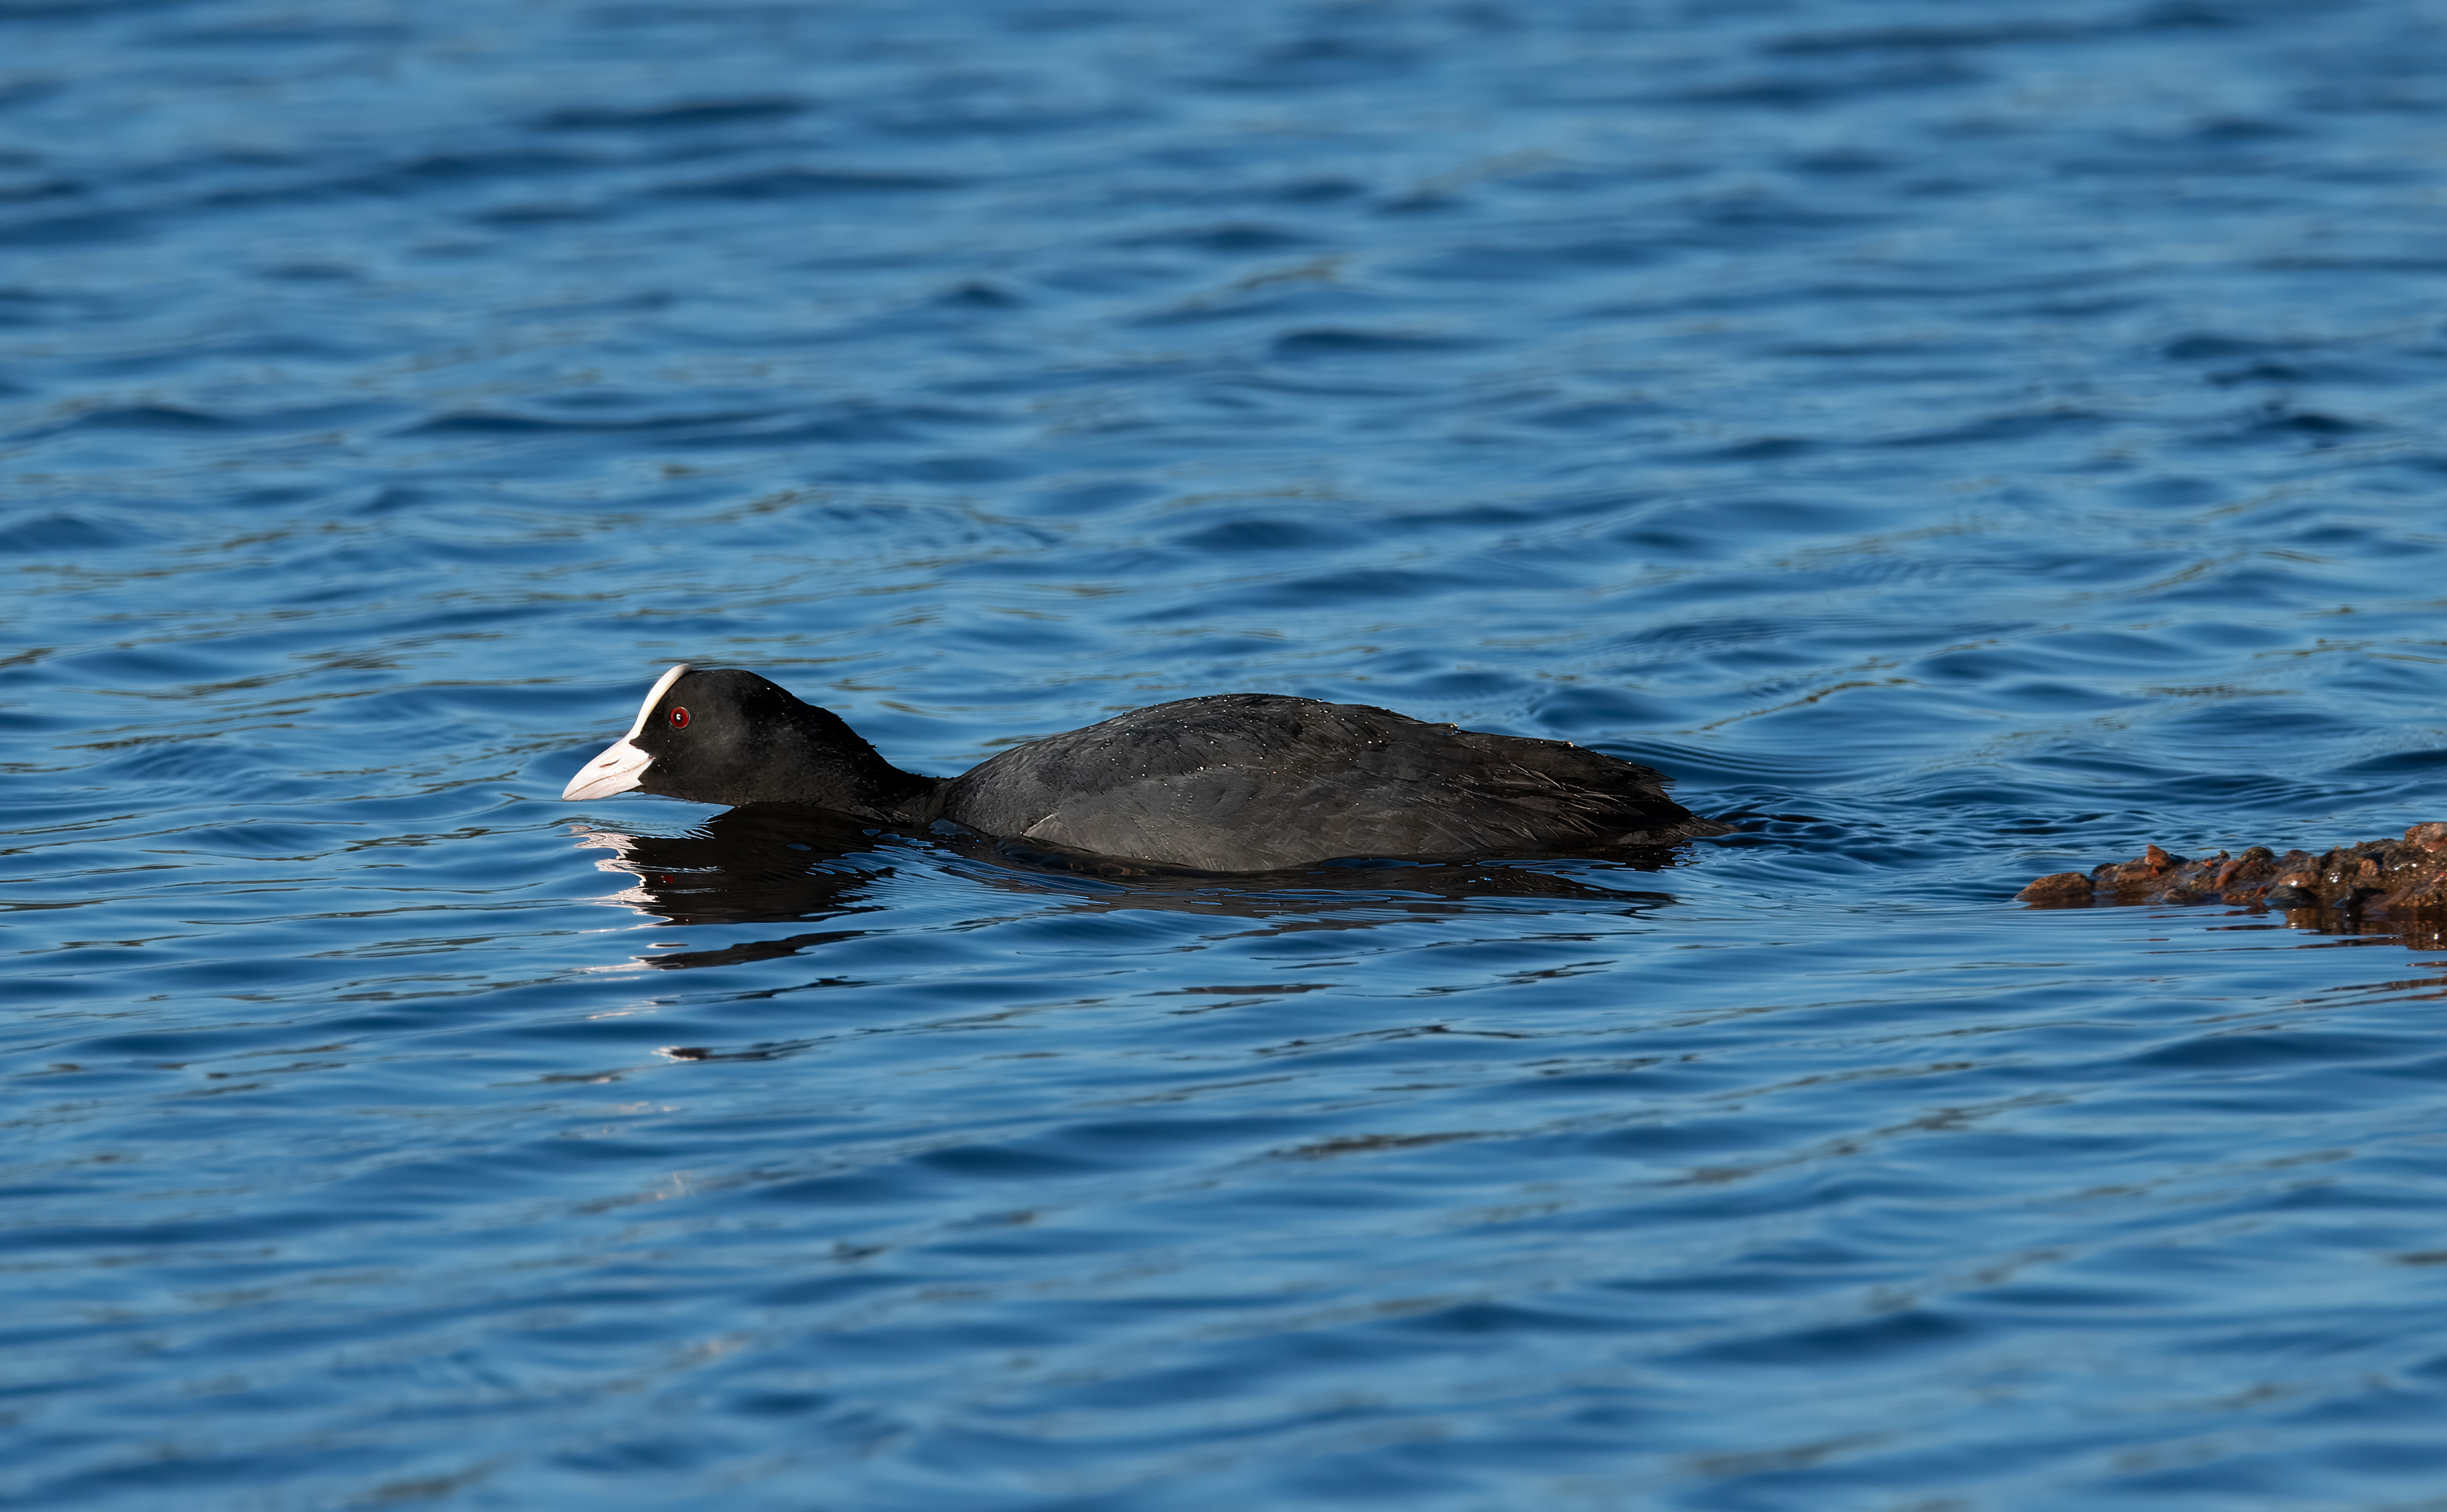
x: 1232, y: 783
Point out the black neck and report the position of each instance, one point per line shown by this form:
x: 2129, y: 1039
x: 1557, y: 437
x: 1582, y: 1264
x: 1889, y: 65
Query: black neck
x: 836, y: 769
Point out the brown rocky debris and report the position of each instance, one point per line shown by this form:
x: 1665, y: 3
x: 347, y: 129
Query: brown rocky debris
x: 2058, y: 890
x: 2379, y: 878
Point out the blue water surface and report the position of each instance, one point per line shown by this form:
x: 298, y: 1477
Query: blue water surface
x: 1956, y: 441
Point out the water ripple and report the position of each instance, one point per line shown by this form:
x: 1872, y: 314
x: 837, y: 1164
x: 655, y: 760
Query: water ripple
x: 1955, y: 447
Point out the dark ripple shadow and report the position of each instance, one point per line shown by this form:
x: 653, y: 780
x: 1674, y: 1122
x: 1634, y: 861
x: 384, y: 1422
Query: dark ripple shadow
x: 810, y: 183
x: 678, y: 114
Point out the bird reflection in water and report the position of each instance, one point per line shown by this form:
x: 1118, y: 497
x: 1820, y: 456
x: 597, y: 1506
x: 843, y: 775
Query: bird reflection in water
x: 771, y: 863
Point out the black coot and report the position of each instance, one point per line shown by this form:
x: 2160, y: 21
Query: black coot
x: 1232, y: 783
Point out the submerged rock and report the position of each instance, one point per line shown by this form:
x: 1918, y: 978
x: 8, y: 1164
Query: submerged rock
x: 2378, y: 876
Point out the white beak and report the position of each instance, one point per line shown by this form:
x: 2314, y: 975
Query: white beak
x: 622, y: 766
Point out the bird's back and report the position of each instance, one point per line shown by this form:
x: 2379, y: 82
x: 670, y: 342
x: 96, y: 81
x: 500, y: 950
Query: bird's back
x: 1259, y: 781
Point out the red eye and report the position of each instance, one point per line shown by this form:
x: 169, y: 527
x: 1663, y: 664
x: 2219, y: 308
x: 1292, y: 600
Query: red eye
x: 680, y: 719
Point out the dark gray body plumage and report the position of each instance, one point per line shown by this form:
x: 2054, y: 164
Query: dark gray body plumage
x: 1257, y: 782
x: 1230, y: 783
